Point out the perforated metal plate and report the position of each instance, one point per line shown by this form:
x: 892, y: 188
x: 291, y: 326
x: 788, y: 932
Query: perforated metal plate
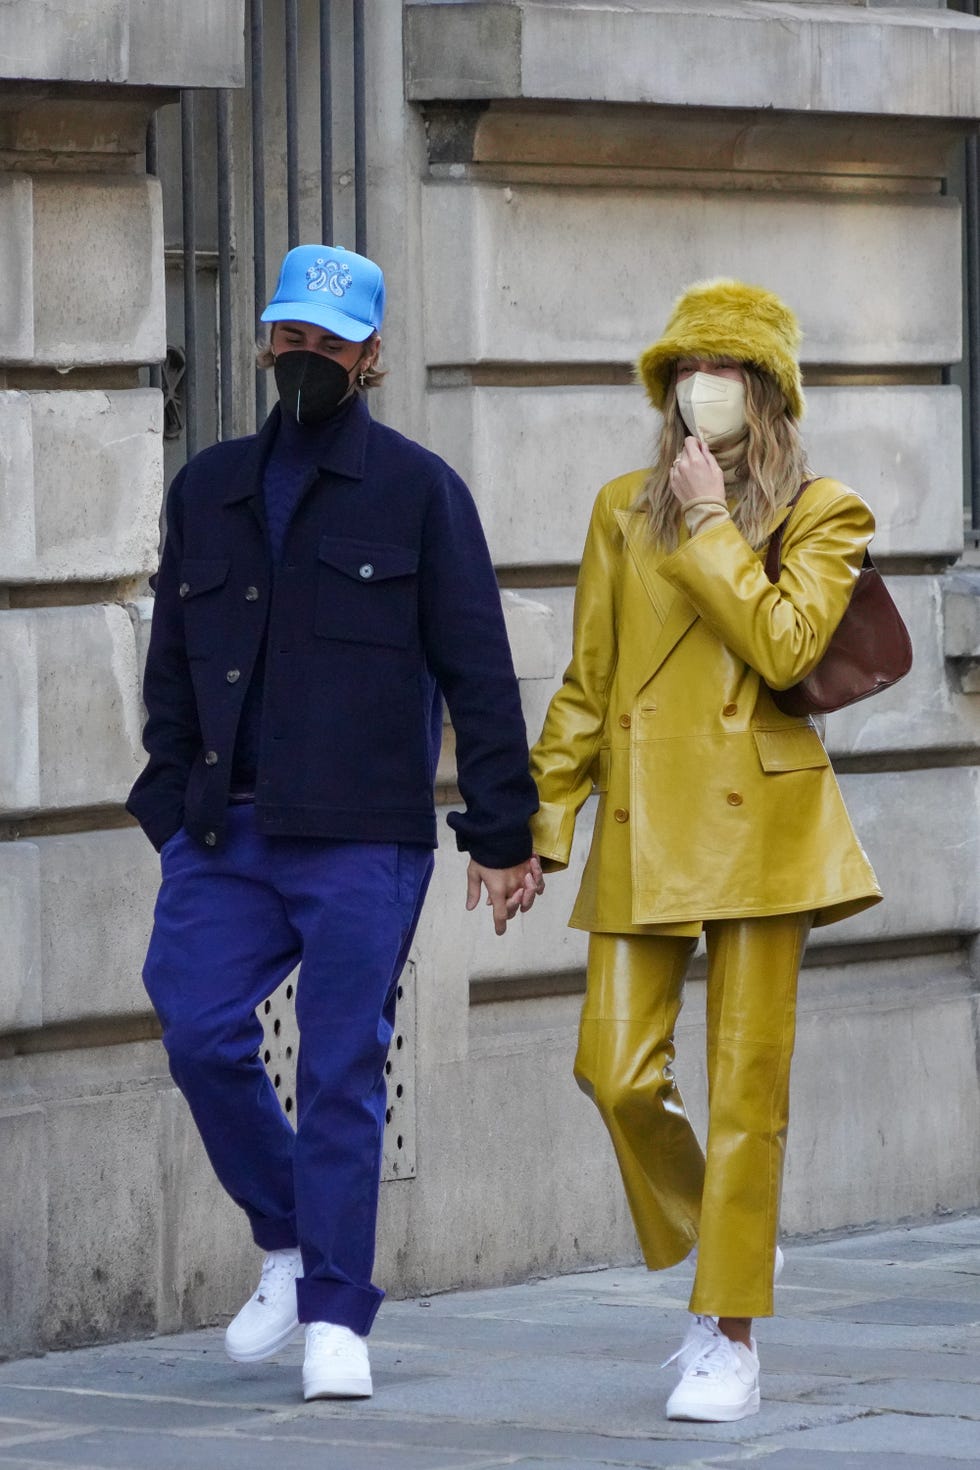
x: 278, y: 1017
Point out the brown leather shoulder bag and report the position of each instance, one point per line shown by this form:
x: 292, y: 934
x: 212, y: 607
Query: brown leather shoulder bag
x: 870, y: 650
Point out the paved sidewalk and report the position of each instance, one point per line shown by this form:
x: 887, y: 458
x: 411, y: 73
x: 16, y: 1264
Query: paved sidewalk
x: 874, y: 1364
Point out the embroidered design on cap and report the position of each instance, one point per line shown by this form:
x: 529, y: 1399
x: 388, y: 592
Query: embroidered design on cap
x: 329, y: 275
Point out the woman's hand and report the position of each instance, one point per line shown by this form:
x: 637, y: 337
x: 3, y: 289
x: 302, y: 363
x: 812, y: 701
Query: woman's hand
x: 696, y: 475
x: 509, y: 890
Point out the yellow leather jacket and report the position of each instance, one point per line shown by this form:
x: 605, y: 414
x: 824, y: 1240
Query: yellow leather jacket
x: 712, y: 803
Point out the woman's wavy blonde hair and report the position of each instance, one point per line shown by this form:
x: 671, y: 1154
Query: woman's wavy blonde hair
x: 775, y: 461
x: 373, y: 377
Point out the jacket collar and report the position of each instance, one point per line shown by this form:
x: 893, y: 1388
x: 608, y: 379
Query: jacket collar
x: 343, y: 453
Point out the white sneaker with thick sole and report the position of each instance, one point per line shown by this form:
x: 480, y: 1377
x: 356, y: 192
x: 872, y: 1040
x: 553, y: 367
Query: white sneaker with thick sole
x: 721, y: 1385
x: 336, y: 1365
x: 268, y: 1319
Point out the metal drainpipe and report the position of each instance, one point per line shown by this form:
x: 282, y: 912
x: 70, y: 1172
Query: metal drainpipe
x: 326, y: 128
x: 971, y: 210
x: 226, y: 399
x: 258, y: 197
x: 360, y: 131
x: 188, y: 171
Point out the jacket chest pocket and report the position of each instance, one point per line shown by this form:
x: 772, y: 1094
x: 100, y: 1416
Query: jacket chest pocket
x: 367, y: 592
x: 201, y: 581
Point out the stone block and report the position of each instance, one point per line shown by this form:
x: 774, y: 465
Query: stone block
x: 16, y: 268
x: 535, y: 458
x: 96, y: 908
x: 926, y: 709
x: 882, y: 1050
x: 104, y: 1222
x: 210, y: 1263
x: 79, y: 484
x: 98, y: 270
x: 929, y: 870
x: 535, y: 274
x: 900, y: 448
x: 141, y: 615
x: 23, y: 1228
x: 529, y: 625
x: 803, y: 58
x: 961, y: 614
x: 20, y: 925
x: 69, y: 712
x: 125, y: 41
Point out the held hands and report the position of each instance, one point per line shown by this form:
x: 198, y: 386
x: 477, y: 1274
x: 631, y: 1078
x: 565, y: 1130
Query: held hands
x: 696, y: 476
x: 509, y: 890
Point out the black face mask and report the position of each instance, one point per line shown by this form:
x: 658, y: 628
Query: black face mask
x: 311, y: 387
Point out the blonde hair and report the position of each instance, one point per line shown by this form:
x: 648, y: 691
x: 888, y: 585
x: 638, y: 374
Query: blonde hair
x: 775, y: 462
x: 372, y: 377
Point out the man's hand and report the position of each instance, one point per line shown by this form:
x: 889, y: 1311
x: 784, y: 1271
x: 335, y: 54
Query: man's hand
x: 509, y: 890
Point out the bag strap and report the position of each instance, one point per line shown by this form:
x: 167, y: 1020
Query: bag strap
x: 774, y: 555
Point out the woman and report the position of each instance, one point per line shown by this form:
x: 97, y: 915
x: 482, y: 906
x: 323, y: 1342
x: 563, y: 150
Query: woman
x: 716, y: 811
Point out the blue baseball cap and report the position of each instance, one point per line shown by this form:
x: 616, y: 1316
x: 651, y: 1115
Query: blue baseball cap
x: 331, y: 287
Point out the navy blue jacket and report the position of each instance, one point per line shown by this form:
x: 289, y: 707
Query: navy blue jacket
x: 384, y: 597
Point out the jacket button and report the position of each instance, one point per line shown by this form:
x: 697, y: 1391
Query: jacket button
x: 734, y: 798
x: 366, y: 571
x: 210, y: 839
x: 211, y: 758
x: 233, y: 676
x: 730, y: 709
x: 621, y: 814
x: 183, y: 589
x: 625, y: 721
x: 251, y: 594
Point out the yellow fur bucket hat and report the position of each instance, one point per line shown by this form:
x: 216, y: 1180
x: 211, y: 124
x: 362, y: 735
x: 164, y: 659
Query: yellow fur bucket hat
x: 728, y: 319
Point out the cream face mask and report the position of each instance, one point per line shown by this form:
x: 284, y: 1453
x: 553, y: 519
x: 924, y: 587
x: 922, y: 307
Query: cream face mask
x: 712, y: 408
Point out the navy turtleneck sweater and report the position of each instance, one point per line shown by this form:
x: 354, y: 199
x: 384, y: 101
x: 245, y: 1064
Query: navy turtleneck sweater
x: 293, y: 460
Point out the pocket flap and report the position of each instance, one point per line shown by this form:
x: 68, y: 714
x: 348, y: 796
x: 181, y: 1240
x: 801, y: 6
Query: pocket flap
x: 600, y: 769
x: 368, y: 561
x: 202, y: 574
x: 790, y: 750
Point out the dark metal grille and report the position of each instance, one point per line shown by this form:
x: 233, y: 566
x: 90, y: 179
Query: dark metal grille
x: 246, y: 176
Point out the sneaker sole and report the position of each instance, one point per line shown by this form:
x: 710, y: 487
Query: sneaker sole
x: 338, y: 1388
x: 267, y: 1350
x: 721, y: 1414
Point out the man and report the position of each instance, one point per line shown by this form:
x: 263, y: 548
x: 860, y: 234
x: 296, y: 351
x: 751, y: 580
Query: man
x: 323, y: 584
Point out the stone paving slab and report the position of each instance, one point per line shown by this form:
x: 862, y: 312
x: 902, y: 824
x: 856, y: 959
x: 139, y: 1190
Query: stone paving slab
x: 873, y: 1364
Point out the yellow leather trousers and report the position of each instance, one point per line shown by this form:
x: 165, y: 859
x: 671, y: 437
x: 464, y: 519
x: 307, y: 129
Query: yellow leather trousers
x: 725, y: 1199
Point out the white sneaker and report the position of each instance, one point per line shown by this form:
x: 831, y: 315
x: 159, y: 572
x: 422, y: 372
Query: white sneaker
x: 721, y: 1385
x: 268, y: 1319
x: 336, y: 1365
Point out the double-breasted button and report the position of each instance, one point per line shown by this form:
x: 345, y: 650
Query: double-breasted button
x: 210, y: 757
x: 210, y: 839
x: 251, y: 594
x: 183, y: 589
x: 734, y: 798
x: 730, y: 709
x: 621, y: 814
x: 366, y: 571
x: 233, y: 676
x: 625, y: 721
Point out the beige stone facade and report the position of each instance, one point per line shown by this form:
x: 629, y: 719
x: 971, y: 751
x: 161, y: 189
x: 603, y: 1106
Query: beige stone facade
x: 543, y: 179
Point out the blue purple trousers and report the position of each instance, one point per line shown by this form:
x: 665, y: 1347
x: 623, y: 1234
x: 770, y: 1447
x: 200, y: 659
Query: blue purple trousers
x: 229, y: 926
